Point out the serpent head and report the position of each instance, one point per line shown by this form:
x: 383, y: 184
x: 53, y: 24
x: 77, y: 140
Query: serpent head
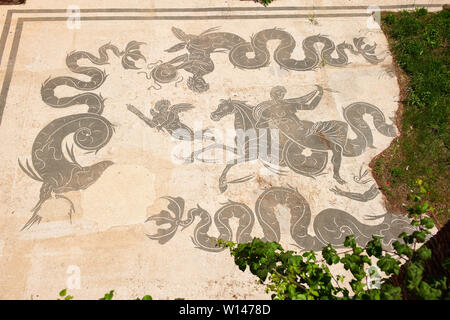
x: 397, y: 224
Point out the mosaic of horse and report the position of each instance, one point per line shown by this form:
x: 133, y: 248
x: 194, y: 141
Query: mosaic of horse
x: 302, y: 146
x: 296, y: 136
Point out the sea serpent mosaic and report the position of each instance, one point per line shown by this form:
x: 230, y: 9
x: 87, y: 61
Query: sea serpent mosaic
x: 330, y: 225
x: 53, y: 161
x: 91, y: 131
x: 296, y: 134
x: 199, y: 63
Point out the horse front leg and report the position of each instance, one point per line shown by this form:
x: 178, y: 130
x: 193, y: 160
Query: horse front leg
x: 223, y: 182
x: 194, y: 155
x: 223, y: 185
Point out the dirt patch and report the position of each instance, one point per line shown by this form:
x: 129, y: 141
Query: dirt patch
x: 412, y: 150
x: 323, y: 138
x: 263, y: 182
x: 394, y: 202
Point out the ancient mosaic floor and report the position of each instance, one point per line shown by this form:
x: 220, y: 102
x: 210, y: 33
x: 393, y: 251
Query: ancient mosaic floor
x: 135, y: 136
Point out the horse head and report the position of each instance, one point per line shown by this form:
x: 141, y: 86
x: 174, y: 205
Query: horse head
x: 226, y: 107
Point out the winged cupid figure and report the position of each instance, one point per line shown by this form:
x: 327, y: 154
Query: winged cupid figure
x: 165, y: 117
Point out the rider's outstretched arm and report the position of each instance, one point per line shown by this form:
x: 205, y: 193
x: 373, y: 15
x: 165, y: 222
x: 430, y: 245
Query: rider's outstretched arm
x: 141, y: 116
x: 310, y: 101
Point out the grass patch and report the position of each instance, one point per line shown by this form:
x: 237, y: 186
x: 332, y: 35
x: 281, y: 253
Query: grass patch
x: 418, y: 41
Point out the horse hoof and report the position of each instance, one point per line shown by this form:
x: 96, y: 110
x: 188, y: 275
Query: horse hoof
x: 223, y: 188
x: 339, y: 180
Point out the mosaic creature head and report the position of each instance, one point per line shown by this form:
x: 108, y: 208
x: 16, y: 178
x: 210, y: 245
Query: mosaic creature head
x: 197, y: 84
x: 277, y: 93
x: 162, y: 105
x: 225, y: 108
x: 92, y: 173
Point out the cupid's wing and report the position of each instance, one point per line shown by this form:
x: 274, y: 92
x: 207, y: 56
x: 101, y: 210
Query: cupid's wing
x: 181, y: 107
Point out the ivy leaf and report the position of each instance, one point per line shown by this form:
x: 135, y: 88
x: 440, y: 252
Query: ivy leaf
x: 350, y: 241
x: 300, y: 297
x: 108, y: 296
x: 446, y: 263
x: 63, y: 292
x: 330, y: 255
x: 414, y: 276
x: 420, y: 236
x: 415, y: 223
x: 373, y: 294
x: 425, y: 291
x: 366, y: 259
x: 424, y: 253
x: 427, y: 222
x: 374, y: 247
x: 390, y: 292
x: 402, y: 249
x: 388, y: 265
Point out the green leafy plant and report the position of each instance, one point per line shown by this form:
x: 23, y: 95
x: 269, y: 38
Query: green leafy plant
x: 108, y: 296
x: 291, y: 276
x: 312, y: 19
x: 146, y: 297
x: 418, y: 41
x: 288, y: 275
x: 64, y: 296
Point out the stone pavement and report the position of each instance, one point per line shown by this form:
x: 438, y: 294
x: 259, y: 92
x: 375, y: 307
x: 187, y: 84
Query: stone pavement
x: 139, y: 134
